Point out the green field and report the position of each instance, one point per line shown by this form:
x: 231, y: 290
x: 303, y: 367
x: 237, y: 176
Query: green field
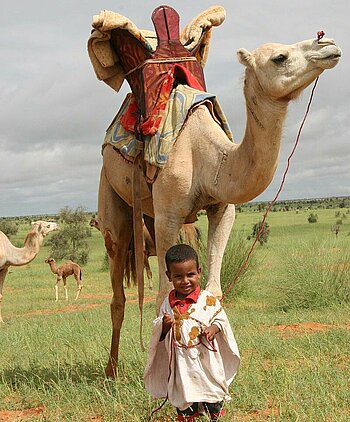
x: 290, y: 315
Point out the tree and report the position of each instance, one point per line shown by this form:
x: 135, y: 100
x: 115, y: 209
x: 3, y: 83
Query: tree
x: 70, y: 241
x: 8, y: 227
x: 265, y: 232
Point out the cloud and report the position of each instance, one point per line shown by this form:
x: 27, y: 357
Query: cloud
x: 54, y: 111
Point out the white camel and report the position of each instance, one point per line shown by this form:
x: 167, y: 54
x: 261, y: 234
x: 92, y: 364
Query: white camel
x: 12, y: 256
x: 207, y: 171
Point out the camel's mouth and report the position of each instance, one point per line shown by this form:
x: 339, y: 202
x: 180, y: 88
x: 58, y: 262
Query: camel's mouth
x: 332, y: 57
x: 329, y: 54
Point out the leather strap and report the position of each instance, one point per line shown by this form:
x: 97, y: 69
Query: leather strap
x: 138, y: 230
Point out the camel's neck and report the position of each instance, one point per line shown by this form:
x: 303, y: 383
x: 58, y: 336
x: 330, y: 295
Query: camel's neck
x: 22, y: 256
x: 256, y: 157
x: 53, y: 267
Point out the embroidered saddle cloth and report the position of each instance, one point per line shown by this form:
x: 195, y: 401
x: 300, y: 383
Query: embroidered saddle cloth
x: 157, y: 147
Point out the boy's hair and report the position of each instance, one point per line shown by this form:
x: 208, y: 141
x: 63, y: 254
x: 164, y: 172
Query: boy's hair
x: 180, y: 253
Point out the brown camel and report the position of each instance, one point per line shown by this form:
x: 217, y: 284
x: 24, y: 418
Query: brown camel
x: 63, y: 271
x: 10, y: 255
x: 205, y: 170
x: 188, y: 234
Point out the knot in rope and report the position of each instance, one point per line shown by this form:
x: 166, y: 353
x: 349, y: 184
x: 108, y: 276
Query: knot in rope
x: 320, y: 35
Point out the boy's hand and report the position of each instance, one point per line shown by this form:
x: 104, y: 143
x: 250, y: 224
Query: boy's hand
x: 210, y: 332
x: 167, y: 324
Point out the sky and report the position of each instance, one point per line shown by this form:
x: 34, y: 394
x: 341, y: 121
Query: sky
x: 54, y: 111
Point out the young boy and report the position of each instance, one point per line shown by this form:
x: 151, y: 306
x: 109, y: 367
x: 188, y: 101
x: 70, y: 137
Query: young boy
x: 193, y: 354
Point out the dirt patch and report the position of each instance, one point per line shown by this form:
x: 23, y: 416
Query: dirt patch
x: 64, y: 310
x: 78, y: 307
x: 258, y: 415
x: 20, y: 415
x: 307, y: 327
x: 302, y: 327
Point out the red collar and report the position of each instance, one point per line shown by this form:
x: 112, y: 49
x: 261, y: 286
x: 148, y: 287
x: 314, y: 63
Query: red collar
x: 191, y: 298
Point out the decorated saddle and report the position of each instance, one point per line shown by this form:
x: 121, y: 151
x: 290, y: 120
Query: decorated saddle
x: 154, y: 64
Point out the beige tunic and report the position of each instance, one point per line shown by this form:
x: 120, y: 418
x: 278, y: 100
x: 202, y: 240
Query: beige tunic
x: 185, y: 366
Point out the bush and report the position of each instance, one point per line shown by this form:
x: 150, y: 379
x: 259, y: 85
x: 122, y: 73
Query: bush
x: 70, y: 241
x: 312, y: 218
x: 313, y: 278
x: 8, y: 227
x: 264, y: 235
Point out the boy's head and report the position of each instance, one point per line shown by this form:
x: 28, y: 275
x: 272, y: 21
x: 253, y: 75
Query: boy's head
x: 183, y: 269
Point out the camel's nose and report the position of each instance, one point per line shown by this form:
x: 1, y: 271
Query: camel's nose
x: 325, y: 41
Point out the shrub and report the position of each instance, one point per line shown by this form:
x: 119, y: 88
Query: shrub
x: 236, y: 252
x: 8, y: 227
x: 312, y: 218
x: 70, y: 241
x: 264, y: 235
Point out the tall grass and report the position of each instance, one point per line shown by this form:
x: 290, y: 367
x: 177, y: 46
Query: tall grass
x: 315, y: 274
x: 235, y: 255
x: 53, y: 354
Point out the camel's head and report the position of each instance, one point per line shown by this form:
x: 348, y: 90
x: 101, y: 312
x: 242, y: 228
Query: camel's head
x: 44, y: 227
x: 94, y: 223
x: 283, y: 71
x: 49, y: 261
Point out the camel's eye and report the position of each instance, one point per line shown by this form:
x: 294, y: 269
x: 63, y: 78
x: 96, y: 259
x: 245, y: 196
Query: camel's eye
x: 281, y: 58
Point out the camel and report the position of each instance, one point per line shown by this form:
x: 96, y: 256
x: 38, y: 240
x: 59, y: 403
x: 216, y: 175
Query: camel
x: 12, y: 256
x: 189, y: 234
x: 205, y: 170
x: 63, y: 271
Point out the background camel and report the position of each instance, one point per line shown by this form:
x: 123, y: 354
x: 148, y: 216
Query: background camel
x: 10, y: 255
x: 207, y: 171
x: 189, y: 233
x: 63, y: 271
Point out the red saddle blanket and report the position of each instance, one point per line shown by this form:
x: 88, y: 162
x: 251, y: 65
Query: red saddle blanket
x: 152, y: 76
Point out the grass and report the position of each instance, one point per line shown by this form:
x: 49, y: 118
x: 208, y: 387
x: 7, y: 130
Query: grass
x: 53, y: 354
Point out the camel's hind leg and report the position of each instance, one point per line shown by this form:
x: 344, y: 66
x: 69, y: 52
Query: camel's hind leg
x: 115, y: 220
x: 65, y: 287
x: 78, y: 279
x: 3, y: 273
x: 148, y: 271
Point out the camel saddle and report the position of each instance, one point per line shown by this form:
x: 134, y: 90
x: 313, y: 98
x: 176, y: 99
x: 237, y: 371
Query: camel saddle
x: 147, y: 72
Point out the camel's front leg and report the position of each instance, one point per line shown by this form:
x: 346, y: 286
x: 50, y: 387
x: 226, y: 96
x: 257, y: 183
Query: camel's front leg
x: 3, y: 273
x: 115, y: 221
x: 167, y: 231
x: 221, y: 219
x: 56, y: 289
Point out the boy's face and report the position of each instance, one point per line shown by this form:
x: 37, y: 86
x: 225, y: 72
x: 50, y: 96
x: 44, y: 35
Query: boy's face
x: 184, y: 276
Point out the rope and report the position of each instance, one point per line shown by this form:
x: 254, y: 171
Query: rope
x: 319, y: 36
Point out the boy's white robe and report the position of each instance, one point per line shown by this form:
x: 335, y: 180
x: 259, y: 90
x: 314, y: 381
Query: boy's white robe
x: 193, y: 374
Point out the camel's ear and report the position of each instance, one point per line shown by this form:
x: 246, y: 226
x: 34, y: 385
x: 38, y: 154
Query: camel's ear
x: 245, y: 57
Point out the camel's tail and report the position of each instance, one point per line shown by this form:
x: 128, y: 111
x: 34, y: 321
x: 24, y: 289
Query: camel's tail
x: 189, y: 234
x: 81, y: 275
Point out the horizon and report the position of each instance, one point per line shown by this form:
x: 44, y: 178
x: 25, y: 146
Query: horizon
x: 254, y: 201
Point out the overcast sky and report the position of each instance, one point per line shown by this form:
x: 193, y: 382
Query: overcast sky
x: 54, y: 111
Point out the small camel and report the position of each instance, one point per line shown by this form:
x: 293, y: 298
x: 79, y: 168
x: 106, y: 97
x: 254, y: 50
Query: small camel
x: 12, y: 256
x: 63, y: 271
